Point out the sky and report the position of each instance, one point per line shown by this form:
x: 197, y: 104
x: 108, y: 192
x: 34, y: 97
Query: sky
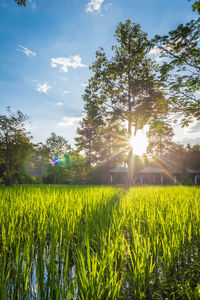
x: 46, y: 50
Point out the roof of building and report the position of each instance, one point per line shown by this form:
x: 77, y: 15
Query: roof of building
x: 152, y: 170
x: 192, y: 171
x: 119, y: 170
x: 188, y: 170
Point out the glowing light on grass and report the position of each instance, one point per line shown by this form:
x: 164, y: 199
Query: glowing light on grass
x: 139, y: 143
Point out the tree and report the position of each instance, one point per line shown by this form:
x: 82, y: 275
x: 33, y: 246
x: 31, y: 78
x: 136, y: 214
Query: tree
x: 126, y: 83
x: 56, y: 146
x: 14, y: 143
x: 99, y: 134
x: 89, y: 128
x: 193, y: 156
x: 58, y: 151
x: 160, y: 136
x: 180, y: 70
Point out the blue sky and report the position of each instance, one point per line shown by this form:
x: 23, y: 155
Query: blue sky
x: 46, y: 49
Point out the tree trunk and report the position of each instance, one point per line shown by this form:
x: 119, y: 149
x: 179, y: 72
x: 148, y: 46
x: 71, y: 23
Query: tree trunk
x: 8, y: 175
x: 130, y: 157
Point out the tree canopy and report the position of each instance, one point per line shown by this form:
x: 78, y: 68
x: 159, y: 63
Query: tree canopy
x: 180, y: 69
x: 14, y: 143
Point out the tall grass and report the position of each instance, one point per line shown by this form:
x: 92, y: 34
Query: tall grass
x: 59, y: 242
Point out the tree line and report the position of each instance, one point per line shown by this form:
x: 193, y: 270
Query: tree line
x: 56, y: 162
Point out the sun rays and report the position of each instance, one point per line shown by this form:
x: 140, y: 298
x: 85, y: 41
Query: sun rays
x: 139, y: 143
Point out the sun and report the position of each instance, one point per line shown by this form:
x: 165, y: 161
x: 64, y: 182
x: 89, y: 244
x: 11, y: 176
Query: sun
x: 139, y: 143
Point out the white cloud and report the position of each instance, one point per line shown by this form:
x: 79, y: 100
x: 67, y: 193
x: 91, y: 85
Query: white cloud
x: 32, y: 4
x: 59, y: 103
x: 69, y: 121
x: 43, y: 88
x: 107, y: 6
x: 65, y: 63
x: 154, y: 51
x: 65, y: 92
x: 193, y: 128
x: 26, y: 50
x: 94, y: 5
x: 192, y: 140
x: 159, y: 58
x: 84, y: 84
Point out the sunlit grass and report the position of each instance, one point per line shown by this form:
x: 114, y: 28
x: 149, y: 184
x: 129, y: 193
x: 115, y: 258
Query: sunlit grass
x: 59, y: 242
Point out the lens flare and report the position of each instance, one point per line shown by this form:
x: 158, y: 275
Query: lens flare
x: 139, y: 143
x: 66, y: 159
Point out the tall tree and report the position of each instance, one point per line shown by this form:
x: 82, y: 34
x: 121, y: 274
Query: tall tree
x: 14, y: 142
x: 126, y: 83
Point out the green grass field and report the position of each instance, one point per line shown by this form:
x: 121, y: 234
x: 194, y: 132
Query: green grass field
x: 62, y: 242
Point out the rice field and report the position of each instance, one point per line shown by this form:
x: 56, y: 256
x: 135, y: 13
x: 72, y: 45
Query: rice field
x: 68, y: 242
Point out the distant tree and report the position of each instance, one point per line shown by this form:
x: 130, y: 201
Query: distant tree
x: 180, y: 71
x: 14, y: 143
x: 56, y: 146
x: 160, y: 136
x: 88, y: 138
x: 38, y: 163
x: 193, y: 156
x: 126, y: 83
x: 78, y: 168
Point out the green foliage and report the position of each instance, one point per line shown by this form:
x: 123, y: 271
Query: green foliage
x: 21, y: 2
x: 56, y: 146
x: 180, y: 69
x: 15, y: 145
x: 196, y: 6
x: 123, y: 88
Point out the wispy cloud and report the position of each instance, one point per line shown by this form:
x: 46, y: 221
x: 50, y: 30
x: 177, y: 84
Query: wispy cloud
x: 194, y: 128
x: 59, y: 103
x: 107, y: 6
x: 154, y: 51
x: 69, y: 121
x: 94, y: 5
x: 4, y: 5
x: 43, y: 88
x: 32, y: 4
x: 65, y: 92
x: 65, y: 62
x: 192, y: 140
x: 84, y: 84
x: 25, y: 50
